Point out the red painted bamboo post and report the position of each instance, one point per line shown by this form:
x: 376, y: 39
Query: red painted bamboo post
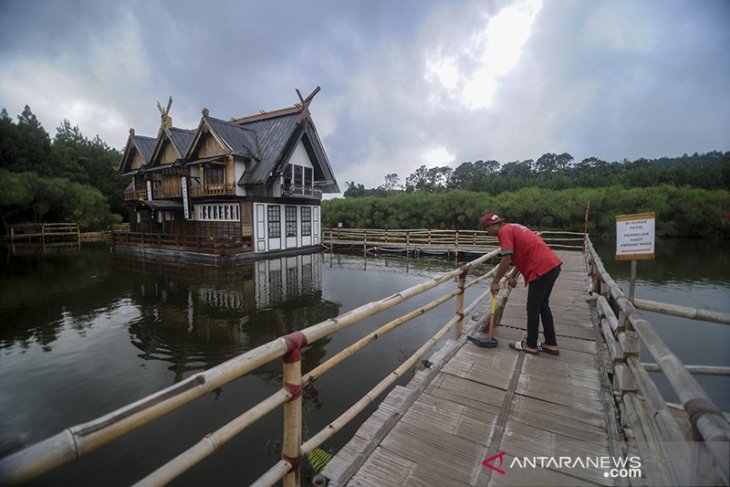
x: 292, y: 442
x: 460, y: 302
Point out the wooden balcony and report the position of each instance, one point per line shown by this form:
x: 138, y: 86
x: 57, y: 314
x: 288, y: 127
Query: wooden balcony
x: 134, y: 195
x: 197, y: 191
x: 170, y: 188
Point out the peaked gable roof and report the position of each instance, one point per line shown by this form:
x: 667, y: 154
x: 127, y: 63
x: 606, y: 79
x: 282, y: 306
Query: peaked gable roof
x: 145, y: 146
x: 234, y: 139
x: 180, y: 140
x: 278, y: 134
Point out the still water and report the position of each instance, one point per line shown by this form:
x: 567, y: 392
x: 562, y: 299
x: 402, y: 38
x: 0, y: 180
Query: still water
x: 86, y: 333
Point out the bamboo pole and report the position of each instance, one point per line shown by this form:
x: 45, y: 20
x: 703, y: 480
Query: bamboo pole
x: 683, y: 311
x: 81, y: 439
x: 692, y: 369
x: 172, y: 469
x: 707, y: 417
x: 84, y: 438
x: 460, y: 304
x: 293, y: 421
x: 356, y: 408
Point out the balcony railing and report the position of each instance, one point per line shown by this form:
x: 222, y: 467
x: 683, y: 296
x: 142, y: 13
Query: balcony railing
x: 301, y: 191
x: 134, y: 194
x: 212, y: 190
x: 170, y: 188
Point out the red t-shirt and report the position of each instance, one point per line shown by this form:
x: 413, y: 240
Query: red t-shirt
x: 532, y: 257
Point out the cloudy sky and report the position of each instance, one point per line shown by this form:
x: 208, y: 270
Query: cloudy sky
x: 403, y: 83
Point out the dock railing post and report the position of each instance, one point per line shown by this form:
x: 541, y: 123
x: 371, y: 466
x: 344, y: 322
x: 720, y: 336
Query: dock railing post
x: 460, y: 302
x: 292, y: 442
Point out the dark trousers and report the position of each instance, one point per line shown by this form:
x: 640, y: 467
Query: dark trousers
x: 538, y: 308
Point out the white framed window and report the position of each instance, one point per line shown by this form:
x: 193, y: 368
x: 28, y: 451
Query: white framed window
x: 218, y: 212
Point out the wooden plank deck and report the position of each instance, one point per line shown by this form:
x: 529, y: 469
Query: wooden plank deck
x: 473, y: 403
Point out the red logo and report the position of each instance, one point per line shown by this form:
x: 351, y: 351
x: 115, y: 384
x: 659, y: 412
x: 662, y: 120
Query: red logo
x: 487, y: 462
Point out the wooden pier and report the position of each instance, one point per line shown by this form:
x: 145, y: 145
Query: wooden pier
x: 472, y: 403
x: 469, y: 416
x: 46, y: 234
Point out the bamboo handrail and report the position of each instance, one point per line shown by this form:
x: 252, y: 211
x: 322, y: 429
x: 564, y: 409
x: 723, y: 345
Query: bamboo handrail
x: 457, y: 239
x: 86, y: 437
x: 683, y: 311
x: 693, y: 369
x: 707, y: 418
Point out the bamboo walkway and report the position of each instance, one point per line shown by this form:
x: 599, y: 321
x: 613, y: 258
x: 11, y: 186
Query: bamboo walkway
x: 472, y: 403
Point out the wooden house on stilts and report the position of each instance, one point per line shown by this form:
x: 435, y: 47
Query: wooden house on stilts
x: 227, y: 190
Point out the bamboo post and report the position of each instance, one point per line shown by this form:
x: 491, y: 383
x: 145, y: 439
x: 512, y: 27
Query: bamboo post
x: 408, y: 244
x: 460, y: 302
x: 365, y: 244
x: 291, y: 449
x: 78, y: 235
x: 632, y: 281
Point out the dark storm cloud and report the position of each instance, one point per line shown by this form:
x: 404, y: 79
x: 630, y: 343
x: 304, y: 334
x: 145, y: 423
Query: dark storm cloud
x: 607, y: 79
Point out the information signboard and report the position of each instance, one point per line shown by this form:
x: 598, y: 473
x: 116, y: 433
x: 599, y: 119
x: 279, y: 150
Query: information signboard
x: 635, y: 236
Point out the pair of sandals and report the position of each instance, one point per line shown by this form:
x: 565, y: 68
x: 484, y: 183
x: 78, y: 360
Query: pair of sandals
x: 519, y: 345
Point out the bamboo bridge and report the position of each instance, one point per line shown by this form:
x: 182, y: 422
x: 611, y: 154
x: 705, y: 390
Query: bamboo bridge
x: 469, y: 415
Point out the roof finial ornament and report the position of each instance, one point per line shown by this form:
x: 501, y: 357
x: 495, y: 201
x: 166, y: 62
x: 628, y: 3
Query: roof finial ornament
x: 306, y: 101
x: 165, y: 114
x: 131, y: 132
x: 205, y: 112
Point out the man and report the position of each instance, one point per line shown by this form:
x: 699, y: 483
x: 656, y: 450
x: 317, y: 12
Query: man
x: 540, y: 267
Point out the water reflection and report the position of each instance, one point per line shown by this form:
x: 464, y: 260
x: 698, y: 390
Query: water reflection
x: 40, y: 295
x: 197, y: 317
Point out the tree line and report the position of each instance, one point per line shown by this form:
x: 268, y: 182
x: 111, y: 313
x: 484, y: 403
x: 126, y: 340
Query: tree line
x: 710, y: 170
x: 680, y: 212
x: 65, y: 178
x: 689, y: 195
x: 72, y: 178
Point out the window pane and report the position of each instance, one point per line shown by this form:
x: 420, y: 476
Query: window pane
x: 298, y: 171
x: 306, y: 221
x: 308, y: 176
x: 291, y: 221
x: 274, y: 214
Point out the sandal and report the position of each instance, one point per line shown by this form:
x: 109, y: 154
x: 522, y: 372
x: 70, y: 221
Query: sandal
x: 519, y: 346
x: 541, y: 347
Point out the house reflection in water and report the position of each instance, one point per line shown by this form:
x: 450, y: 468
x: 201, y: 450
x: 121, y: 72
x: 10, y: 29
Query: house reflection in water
x: 195, y: 317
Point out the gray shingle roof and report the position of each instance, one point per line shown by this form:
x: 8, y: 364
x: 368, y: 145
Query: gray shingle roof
x: 240, y: 140
x: 145, y: 145
x: 272, y: 134
x: 181, y: 139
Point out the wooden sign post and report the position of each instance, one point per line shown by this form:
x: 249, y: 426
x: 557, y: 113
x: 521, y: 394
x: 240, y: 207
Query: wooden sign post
x: 635, y: 241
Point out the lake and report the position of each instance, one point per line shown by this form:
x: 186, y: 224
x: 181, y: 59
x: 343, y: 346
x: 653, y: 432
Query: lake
x: 87, y: 332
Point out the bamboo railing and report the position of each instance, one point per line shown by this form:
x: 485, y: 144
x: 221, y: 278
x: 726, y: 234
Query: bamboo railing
x: 644, y: 411
x: 81, y: 439
x: 645, y: 414
x: 423, y: 240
